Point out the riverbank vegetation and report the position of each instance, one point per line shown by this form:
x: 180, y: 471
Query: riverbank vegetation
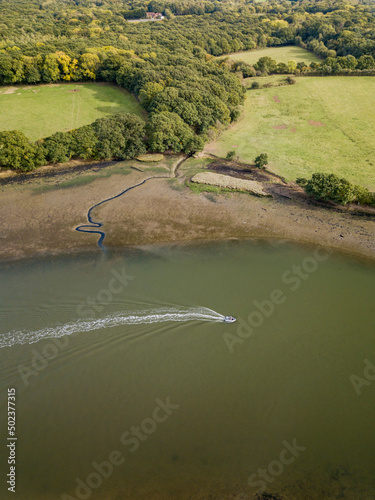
x: 329, y: 187
x: 159, y: 213
x: 119, y: 136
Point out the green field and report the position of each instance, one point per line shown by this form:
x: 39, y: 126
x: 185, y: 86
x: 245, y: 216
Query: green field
x: 280, y: 54
x: 318, y: 125
x: 40, y: 111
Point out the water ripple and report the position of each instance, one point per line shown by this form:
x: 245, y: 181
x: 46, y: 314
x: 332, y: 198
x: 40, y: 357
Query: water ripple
x: 130, y: 318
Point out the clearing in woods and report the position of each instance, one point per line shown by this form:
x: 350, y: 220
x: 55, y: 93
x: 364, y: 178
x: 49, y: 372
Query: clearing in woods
x: 280, y: 54
x: 39, y: 111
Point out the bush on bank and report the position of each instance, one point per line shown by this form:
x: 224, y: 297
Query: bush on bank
x: 330, y: 187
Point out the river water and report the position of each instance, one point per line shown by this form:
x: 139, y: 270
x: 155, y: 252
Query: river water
x: 130, y: 386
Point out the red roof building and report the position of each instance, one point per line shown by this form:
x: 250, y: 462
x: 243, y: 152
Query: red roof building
x: 154, y: 15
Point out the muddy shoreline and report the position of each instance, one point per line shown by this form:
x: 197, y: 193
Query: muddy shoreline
x: 38, y: 218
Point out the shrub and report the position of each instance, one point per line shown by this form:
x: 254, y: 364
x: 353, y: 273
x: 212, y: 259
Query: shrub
x: 248, y: 71
x: 364, y: 196
x: 235, y: 113
x: 261, y: 161
x: 301, y: 181
x: 255, y: 85
x: 329, y: 187
x: 231, y: 155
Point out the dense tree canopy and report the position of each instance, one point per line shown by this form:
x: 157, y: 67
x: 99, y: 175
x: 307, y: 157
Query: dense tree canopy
x: 88, y: 39
x: 168, y: 131
x: 119, y: 136
x: 17, y: 152
x: 171, y: 65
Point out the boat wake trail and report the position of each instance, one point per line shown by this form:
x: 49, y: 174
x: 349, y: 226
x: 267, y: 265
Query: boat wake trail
x: 129, y: 318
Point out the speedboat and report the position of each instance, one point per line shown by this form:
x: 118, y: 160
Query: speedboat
x: 229, y: 319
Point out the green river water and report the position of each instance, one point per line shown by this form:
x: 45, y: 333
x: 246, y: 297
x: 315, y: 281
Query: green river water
x: 130, y: 386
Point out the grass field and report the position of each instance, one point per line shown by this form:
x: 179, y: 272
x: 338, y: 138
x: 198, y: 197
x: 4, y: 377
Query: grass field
x: 280, y: 54
x: 318, y: 125
x: 40, y: 111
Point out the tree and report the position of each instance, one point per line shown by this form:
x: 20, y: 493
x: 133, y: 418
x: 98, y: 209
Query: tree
x: 87, y: 66
x: 282, y: 68
x: 266, y: 65
x: 84, y: 142
x: 32, y: 74
x: 167, y: 130
x: 50, y: 69
x: 247, y: 70
x: 364, y: 196
x: 261, y: 161
x: 139, y: 13
x: 148, y: 92
x: 366, y: 62
x: 18, y: 153
x: 59, y: 147
x: 110, y: 66
x: 292, y: 66
x: 6, y: 70
x: 235, y: 113
x: 120, y: 136
x: 66, y: 65
x: 350, y: 62
x: 168, y: 13
x: 329, y: 187
x: 18, y: 69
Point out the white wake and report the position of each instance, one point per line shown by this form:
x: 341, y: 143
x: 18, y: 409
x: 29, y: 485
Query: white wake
x: 129, y: 318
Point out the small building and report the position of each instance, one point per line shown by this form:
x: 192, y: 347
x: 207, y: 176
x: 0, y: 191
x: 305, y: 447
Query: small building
x: 154, y: 15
